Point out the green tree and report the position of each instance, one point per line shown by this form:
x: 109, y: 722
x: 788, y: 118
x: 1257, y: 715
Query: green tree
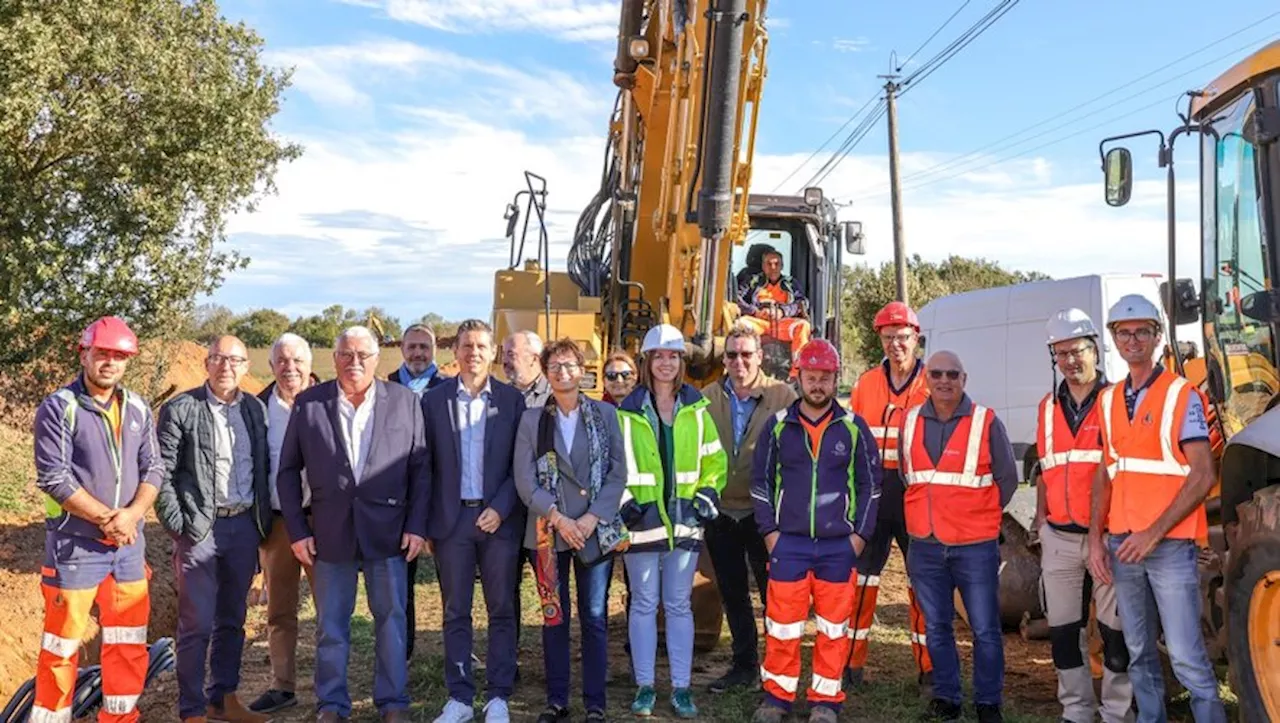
x: 129, y: 133
x: 260, y: 328
x: 316, y: 329
x: 211, y: 321
x: 866, y: 290
x: 390, y: 324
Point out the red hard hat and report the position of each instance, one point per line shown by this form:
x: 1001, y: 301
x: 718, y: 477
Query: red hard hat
x: 896, y: 313
x: 819, y: 355
x: 111, y: 333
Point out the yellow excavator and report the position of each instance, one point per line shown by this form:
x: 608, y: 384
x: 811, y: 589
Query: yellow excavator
x: 1236, y: 121
x: 674, y: 223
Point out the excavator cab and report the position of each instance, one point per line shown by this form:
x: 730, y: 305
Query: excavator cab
x: 1236, y: 120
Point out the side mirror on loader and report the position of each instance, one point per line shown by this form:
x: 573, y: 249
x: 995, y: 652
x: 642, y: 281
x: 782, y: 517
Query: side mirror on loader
x: 1117, y: 169
x: 851, y: 236
x: 1186, y: 303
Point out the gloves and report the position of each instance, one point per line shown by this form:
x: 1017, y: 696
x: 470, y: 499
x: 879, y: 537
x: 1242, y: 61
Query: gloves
x: 705, y: 505
x: 630, y: 513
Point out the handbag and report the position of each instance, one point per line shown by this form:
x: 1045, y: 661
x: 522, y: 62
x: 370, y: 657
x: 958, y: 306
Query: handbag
x: 605, y: 543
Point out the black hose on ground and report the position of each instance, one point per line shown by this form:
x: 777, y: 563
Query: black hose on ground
x: 162, y: 656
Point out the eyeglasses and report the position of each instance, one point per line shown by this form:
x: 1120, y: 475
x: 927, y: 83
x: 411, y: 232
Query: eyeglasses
x: 952, y: 374
x: 1065, y: 354
x: 220, y: 359
x: 1144, y: 334
x: 731, y: 355
x: 350, y: 356
x: 615, y: 376
x: 569, y: 367
x: 897, y: 338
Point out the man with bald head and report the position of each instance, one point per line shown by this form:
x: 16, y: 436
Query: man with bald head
x: 215, y: 502
x: 960, y: 473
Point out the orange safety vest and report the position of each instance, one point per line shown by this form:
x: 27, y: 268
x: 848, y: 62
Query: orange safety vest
x: 1068, y: 465
x: 957, y: 500
x: 773, y: 291
x: 874, y: 400
x: 1143, y: 457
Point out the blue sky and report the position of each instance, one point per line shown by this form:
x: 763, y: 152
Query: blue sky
x: 418, y: 117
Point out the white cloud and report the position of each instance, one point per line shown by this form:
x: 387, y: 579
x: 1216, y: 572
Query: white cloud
x: 850, y: 45
x: 347, y: 76
x: 573, y: 20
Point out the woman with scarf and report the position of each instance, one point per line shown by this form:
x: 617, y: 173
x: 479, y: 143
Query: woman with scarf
x: 675, y: 473
x: 571, y: 473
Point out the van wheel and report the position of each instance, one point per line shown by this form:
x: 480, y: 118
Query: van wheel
x: 1253, y: 608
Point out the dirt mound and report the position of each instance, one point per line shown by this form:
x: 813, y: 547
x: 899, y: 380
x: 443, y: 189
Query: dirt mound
x: 183, y: 364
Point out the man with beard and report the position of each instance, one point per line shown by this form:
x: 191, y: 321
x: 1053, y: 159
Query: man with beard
x: 419, y: 373
x: 95, y: 448
x: 816, y: 486
x: 960, y: 473
x: 1069, y: 443
x: 882, y: 397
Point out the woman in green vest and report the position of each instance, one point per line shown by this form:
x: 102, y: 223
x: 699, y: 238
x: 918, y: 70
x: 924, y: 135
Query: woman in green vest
x: 675, y: 473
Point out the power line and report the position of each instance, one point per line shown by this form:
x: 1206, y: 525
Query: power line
x: 929, y: 39
x: 960, y: 162
x: 963, y: 41
x: 1058, y: 116
x: 868, y: 124
x: 830, y: 138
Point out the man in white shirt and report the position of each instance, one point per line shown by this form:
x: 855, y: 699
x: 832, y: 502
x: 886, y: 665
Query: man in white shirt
x: 291, y: 367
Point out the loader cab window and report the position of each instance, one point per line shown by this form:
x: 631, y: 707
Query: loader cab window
x: 1236, y: 266
x: 745, y: 260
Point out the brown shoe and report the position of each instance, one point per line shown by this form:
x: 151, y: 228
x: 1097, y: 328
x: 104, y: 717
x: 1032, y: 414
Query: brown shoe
x: 231, y: 711
x: 396, y: 716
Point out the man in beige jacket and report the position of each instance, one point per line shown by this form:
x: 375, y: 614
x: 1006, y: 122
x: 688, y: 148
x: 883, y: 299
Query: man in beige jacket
x: 741, y: 405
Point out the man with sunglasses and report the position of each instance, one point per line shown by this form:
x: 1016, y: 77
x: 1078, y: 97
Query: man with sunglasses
x: 960, y: 473
x: 882, y: 397
x: 742, y: 406
x: 1148, y: 496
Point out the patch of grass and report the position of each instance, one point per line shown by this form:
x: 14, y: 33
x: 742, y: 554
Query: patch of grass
x: 17, y: 473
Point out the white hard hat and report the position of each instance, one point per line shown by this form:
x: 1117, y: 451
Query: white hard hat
x: 1069, y: 324
x: 1134, y: 307
x: 663, y: 336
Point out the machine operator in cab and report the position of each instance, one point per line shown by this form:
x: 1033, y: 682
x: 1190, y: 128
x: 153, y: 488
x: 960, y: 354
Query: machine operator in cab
x: 773, y: 305
x: 882, y: 397
x: 1070, y: 449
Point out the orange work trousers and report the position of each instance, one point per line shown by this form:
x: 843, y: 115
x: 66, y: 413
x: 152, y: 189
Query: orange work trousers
x: 796, y: 331
x: 806, y: 572
x: 77, y: 573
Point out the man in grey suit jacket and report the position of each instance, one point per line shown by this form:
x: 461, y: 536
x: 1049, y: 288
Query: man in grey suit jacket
x: 476, y: 518
x: 360, y: 441
x: 567, y: 503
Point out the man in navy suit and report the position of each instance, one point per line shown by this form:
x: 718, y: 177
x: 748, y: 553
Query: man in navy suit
x: 360, y: 441
x: 476, y: 518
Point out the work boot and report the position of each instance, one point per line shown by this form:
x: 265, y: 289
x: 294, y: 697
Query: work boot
x: 853, y: 678
x: 274, y: 700
x: 767, y: 713
x: 988, y: 713
x: 737, y: 677
x: 925, y: 681
x: 941, y: 710
x: 822, y: 714
x: 231, y: 711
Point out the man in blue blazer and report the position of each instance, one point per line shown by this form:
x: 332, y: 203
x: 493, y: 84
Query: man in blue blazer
x: 476, y: 517
x: 360, y: 441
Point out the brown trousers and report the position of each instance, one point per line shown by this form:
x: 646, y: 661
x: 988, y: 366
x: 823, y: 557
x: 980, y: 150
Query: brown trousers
x: 282, y: 572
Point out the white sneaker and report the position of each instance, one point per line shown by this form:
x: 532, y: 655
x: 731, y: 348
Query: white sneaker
x: 495, y: 711
x: 456, y: 712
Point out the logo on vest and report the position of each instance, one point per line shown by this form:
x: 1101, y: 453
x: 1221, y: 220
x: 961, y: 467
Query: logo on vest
x: 841, y: 449
x: 1147, y: 420
x: 134, y: 426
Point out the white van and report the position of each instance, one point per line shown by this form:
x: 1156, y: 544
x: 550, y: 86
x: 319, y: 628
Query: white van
x: 999, y: 335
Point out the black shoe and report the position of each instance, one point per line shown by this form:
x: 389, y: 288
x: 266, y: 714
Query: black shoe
x: 554, y: 714
x: 941, y: 710
x: 273, y: 700
x: 988, y: 713
x: 595, y: 715
x: 737, y: 677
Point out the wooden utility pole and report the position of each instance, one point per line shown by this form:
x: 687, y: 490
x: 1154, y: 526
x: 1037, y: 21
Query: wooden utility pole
x: 895, y: 192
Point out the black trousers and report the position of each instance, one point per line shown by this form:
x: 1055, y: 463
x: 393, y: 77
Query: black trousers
x: 736, y: 546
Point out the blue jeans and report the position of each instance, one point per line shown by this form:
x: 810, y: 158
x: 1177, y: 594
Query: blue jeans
x: 1163, y: 591
x: 213, y: 576
x: 593, y: 622
x: 936, y: 571
x: 386, y: 583
x: 665, y: 576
